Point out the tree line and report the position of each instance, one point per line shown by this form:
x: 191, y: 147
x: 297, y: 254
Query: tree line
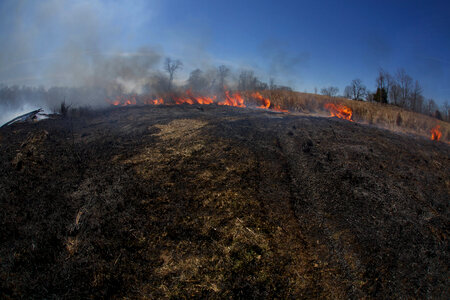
x: 397, y: 89
x: 156, y: 82
x: 219, y: 79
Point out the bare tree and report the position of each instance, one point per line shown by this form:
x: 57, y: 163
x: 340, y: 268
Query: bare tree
x: 356, y: 90
x: 275, y: 87
x: 158, y: 82
x: 417, y: 98
x: 272, y: 85
x: 222, y: 72
x: 348, y: 92
x: 330, y: 91
x: 390, y: 82
x: 446, y: 110
x: 404, y: 82
x: 395, y: 93
x: 381, y: 79
x: 249, y: 82
x: 196, y: 81
x: 171, y: 66
x: 430, y: 107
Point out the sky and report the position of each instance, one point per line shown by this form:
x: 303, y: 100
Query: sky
x: 303, y: 44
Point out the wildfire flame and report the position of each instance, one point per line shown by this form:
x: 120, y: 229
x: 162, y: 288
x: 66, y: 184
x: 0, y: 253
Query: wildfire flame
x: 154, y: 101
x: 436, y: 133
x: 191, y: 99
x: 230, y: 99
x: 233, y: 100
x: 122, y: 101
x: 278, y: 108
x: 339, y: 110
x: 265, y: 101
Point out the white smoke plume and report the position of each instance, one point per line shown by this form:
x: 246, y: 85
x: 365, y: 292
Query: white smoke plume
x: 73, y: 44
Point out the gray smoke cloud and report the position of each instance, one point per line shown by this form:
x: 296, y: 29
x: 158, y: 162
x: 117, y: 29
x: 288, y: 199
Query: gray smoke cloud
x: 90, y: 45
x: 72, y: 44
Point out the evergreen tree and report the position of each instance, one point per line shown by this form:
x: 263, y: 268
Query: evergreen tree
x: 380, y: 96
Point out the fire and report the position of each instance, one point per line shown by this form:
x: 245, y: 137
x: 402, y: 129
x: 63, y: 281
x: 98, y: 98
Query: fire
x: 183, y: 100
x: 233, y: 100
x: 339, y: 110
x: 265, y: 101
x: 154, y: 101
x: 436, y: 133
x: 191, y: 99
x: 278, y: 108
x: 230, y: 99
x: 158, y: 101
x: 122, y: 101
x: 205, y: 100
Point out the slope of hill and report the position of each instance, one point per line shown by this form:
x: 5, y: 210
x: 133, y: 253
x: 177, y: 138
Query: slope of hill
x: 383, y: 115
x: 214, y: 201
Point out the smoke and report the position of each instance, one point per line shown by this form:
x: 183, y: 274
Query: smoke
x: 130, y: 71
x: 73, y: 44
x: 70, y: 43
x: 83, y: 52
x: 282, y: 63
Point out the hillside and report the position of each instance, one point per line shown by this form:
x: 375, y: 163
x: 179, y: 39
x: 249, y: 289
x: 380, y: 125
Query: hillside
x: 385, y: 116
x: 219, y: 202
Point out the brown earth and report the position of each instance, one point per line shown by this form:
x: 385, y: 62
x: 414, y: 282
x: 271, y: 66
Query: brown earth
x: 220, y: 202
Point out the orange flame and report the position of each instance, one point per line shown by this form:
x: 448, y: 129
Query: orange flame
x: 205, y: 100
x: 234, y: 100
x: 339, y: 110
x: 436, y: 133
x: 191, y: 99
x: 122, y: 101
x: 265, y: 101
x: 153, y: 101
x: 158, y: 101
x: 182, y: 100
x: 278, y: 108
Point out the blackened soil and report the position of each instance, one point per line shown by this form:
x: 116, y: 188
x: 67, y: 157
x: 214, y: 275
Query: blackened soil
x: 220, y: 202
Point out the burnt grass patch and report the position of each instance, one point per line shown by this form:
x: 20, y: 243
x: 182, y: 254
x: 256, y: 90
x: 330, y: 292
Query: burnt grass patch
x: 220, y: 202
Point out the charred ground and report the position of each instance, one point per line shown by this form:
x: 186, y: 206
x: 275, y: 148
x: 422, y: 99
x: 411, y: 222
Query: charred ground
x: 182, y: 201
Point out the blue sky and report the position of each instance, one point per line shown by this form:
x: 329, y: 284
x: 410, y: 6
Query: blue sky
x: 304, y: 44
x: 328, y: 42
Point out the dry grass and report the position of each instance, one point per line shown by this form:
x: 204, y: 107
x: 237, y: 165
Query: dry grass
x: 386, y: 116
x: 215, y: 202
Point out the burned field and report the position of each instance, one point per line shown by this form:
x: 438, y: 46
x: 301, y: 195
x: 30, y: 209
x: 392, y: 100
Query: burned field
x: 220, y: 202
